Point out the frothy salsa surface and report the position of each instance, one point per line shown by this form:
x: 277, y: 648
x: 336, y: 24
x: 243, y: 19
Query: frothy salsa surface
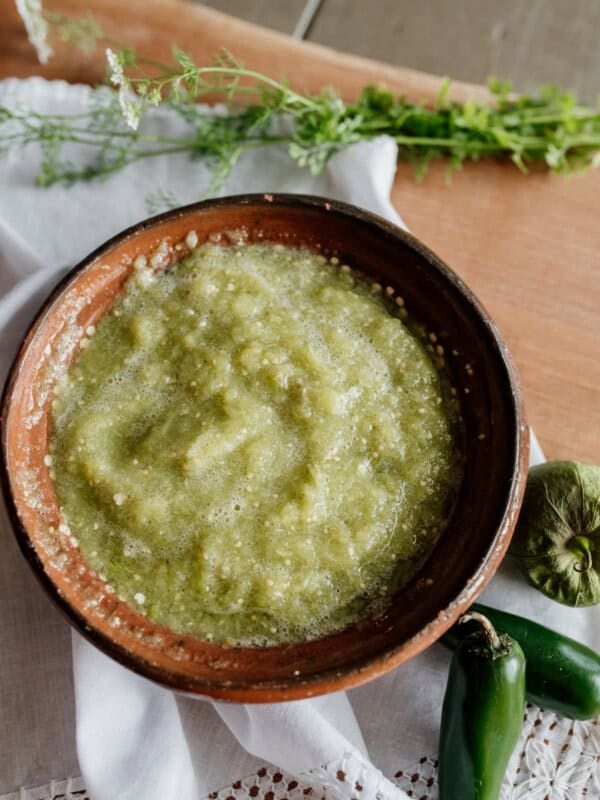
x: 252, y: 447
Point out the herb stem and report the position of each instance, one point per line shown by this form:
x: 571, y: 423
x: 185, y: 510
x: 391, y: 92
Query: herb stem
x: 550, y: 127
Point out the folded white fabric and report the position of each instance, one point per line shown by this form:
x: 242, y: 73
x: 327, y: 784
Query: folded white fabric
x: 135, y: 739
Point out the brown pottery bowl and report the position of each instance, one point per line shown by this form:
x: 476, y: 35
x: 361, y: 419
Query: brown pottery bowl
x: 496, y: 445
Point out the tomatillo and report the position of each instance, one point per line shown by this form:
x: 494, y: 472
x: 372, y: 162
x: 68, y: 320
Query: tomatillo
x: 557, y: 538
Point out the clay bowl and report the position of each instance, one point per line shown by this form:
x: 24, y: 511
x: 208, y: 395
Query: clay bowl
x: 468, y: 552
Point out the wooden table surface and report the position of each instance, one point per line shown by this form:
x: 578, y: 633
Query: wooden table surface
x: 529, y: 42
x: 529, y: 246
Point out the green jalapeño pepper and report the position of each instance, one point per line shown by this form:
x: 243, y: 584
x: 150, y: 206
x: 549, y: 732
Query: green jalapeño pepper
x: 562, y: 674
x: 482, y: 715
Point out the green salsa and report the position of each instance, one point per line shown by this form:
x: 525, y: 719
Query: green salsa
x: 252, y: 447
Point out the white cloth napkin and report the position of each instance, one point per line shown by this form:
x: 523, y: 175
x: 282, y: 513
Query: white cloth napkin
x: 135, y: 739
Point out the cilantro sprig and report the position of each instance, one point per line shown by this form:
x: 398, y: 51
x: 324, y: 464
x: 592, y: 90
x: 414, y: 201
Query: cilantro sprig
x: 550, y: 128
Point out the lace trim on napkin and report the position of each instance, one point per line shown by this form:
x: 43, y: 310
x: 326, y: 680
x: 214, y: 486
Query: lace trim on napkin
x: 71, y: 789
x: 556, y: 759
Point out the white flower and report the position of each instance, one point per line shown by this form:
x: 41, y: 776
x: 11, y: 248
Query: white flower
x: 117, y: 76
x: 36, y: 26
x: 131, y: 105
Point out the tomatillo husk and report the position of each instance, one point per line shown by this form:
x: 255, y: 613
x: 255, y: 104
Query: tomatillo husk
x: 557, y: 538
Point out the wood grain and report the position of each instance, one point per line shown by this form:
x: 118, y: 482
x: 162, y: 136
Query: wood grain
x: 280, y: 16
x: 529, y: 43
x: 154, y: 25
x: 528, y: 245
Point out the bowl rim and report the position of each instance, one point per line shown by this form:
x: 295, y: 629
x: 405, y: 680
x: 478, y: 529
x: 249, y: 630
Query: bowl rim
x: 361, y: 669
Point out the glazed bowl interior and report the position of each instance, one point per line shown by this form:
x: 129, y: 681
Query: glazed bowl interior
x: 469, y: 549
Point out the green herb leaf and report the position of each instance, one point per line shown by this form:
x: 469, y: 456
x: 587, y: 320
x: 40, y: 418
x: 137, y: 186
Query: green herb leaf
x: 550, y: 128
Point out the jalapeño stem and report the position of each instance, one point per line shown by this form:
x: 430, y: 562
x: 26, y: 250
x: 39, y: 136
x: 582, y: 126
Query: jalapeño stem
x: 489, y: 632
